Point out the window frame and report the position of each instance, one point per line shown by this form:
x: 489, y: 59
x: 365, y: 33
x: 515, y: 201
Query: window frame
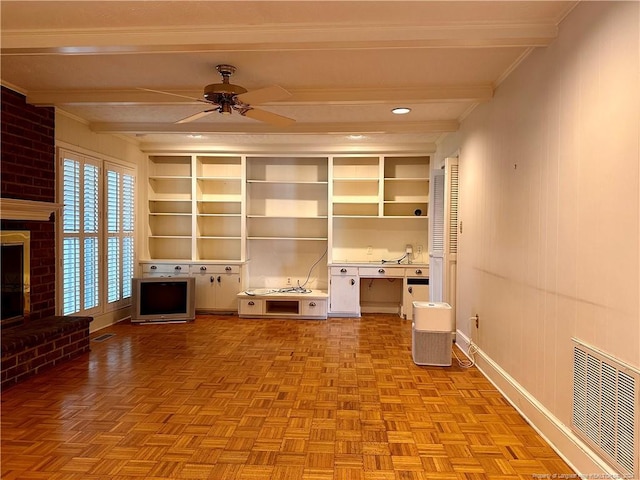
x: 104, y: 165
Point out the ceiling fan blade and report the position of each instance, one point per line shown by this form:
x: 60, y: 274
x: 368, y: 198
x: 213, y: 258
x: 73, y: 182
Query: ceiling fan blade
x: 268, y: 117
x: 196, y: 116
x: 264, y: 95
x: 173, y: 94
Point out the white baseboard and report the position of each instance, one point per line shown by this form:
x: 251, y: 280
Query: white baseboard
x: 584, y: 461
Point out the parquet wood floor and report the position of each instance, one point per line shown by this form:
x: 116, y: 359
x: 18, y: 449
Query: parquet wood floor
x: 228, y: 398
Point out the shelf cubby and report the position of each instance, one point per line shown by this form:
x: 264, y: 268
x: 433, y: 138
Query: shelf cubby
x: 218, y: 166
x: 169, y: 225
x: 170, y: 206
x: 218, y: 249
x: 218, y: 226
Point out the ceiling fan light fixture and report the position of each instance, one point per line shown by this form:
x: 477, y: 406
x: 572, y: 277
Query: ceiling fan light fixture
x: 225, y: 109
x: 400, y: 110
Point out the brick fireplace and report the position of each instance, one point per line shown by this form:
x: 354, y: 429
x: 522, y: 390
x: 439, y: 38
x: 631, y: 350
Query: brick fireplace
x: 27, y: 187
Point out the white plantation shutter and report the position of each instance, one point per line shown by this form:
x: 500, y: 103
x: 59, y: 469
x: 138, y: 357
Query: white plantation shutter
x: 90, y: 240
x: 80, y: 234
x: 120, y: 230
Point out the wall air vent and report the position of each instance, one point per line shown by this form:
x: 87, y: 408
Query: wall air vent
x: 605, y: 406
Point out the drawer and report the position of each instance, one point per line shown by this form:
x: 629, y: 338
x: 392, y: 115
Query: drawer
x: 313, y: 308
x: 416, y: 272
x: 165, y: 269
x: 251, y: 306
x: 345, y: 271
x: 381, y: 271
x: 214, y: 269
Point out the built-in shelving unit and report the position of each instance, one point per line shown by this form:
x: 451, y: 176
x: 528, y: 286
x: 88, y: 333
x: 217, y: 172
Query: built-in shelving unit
x: 356, y: 187
x: 379, y: 204
x: 219, y: 207
x: 406, y: 186
x: 277, y: 220
x: 287, y: 199
x: 170, y: 198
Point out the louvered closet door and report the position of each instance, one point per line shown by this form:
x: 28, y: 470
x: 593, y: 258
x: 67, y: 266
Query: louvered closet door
x: 436, y: 254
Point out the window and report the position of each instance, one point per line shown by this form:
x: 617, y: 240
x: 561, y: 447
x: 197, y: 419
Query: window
x: 120, y: 232
x: 89, y: 285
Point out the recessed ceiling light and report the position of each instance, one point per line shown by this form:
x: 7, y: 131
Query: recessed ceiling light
x: 195, y: 135
x: 400, y: 110
x: 355, y: 137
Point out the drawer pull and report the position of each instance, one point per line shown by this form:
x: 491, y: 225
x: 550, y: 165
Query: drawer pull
x: 203, y: 269
x: 312, y: 304
x: 251, y: 303
x: 153, y: 267
x: 227, y: 269
x: 343, y: 270
x: 178, y: 267
x: 418, y: 272
x: 381, y: 270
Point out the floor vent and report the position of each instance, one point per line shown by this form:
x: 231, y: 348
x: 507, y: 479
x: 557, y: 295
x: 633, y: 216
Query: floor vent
x: 605, y: 406
x: 104, y: 337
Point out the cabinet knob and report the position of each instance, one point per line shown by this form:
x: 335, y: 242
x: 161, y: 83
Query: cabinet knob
x: 418, y: 272
x: 410, y: 289
x: 312, y: 304
x: 211, y: 278
x: 178, y: 267
x: 251, y: 303
x: 353, y: 282
x: 343, y: 270
x: 381, y: 270
x: 219, y: 279
x: 227, y: 269
x: 203, y: 269
x: 153, y: 267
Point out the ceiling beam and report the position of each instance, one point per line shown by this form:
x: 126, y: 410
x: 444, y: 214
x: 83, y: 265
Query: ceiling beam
x: 434, y: 126
x: 255, y: 38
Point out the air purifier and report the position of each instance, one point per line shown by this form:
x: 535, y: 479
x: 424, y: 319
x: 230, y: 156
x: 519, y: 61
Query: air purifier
x: 431, y: 333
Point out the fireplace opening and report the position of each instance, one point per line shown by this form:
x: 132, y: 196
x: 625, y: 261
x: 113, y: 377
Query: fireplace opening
x: 14, y: 275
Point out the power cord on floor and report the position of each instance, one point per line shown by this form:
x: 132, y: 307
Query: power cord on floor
x: 471, y: 361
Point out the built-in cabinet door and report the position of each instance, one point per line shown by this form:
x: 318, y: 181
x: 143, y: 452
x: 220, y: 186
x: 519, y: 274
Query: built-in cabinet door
x: 205, y: 290
x: 345, y: 295
x: 217, y: 287
x: 415, y: 290
x: 228, y: 287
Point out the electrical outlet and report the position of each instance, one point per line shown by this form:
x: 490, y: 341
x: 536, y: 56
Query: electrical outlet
x: 419, y: 249
x: 369, y: 250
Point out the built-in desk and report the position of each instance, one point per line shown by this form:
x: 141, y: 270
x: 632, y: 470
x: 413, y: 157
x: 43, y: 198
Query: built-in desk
x: 347, y: 280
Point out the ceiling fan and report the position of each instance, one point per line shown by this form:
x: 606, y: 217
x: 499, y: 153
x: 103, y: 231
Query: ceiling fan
x: 228, y: 97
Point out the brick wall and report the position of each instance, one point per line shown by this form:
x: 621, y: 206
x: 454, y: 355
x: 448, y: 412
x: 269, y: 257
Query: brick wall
x: 27, y: 172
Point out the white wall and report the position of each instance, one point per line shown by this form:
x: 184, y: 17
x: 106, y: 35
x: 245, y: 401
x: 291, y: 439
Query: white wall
x: 550, y: 205
x: 76, y: 135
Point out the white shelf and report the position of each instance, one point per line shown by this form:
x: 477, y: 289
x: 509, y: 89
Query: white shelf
x: 285, y: 182
x: 314, y: 239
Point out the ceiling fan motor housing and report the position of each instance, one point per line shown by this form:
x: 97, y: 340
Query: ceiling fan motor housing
x: 225, y: 91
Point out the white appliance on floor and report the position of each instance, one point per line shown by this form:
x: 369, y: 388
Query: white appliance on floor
x: 432, y: 325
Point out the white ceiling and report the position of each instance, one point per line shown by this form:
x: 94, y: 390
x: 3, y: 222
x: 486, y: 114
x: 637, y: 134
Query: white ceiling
x: 346, y: 64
